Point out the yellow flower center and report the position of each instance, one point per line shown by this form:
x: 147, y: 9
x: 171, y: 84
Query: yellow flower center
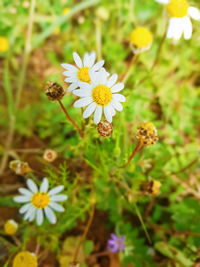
x: 147, y: 133
x: 101, y: 95
x: 4, y: 45
x: 10, y: 227
x: 25, y: 259
x: 40, y: 200
x: 141, y: 37
x: 83, y: 75
x: 178, y: 8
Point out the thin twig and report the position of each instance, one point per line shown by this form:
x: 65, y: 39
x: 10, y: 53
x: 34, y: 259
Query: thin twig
x: 70, y: 119
x: 84, y: 234
x: 129, y: 66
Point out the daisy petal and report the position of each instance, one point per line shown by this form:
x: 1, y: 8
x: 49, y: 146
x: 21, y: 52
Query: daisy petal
x: 71, y: 80
x: 25, y: 192
x: 83, y: 102
x: 39, y: 216
x: 89, y: 110
x: 82, y: 92
x: 29, y: 212
x: 22, y: 199
x: 112, y: 80
x: 50, y: 215
x: 56, y: 207
x: 113, y: 112
x: 116, y: 105
x: 72, y: 86
x: 97, y: 114
x: 107, y: 113
x: 187, y: 29
x: 32, y: 216
x: 92, y: 59
x: 86, y: 60
x: 117, y: 87
x: 84, y: 86
x: 32, y: 186
x: 119, y: 97
x: 56, y: 190
x: 24, y: 208
x: 44, y: 186
x: 163, y: 1
x: 69, y: 67
x: 194, y: 13
x: 77, y: 60
x: 59, y: 198
x: 98, y: 65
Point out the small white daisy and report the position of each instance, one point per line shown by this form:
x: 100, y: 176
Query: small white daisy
x: 78, y: 74
x: 180, y: 23
x: 101, y: 95
x: 40, y: 202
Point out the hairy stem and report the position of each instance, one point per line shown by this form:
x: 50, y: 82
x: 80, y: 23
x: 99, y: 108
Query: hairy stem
x: 138, y: 147
x: 70, y: 119
x: 129, y: 66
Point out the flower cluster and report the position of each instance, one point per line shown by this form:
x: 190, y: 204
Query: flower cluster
x: 180, y: 24
x: 98, y: 91
x: 40, y: 202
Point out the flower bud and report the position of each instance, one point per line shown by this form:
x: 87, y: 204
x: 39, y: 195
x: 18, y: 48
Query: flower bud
x: 25, y: 259
x: 54, y: 91
x: 50, y: 155
x: 10, y: 227
x: 105, y: 128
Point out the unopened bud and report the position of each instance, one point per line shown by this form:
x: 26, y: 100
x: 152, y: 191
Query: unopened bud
x: 54, y: 91
x: 105, y: 128
x: 10, y: 227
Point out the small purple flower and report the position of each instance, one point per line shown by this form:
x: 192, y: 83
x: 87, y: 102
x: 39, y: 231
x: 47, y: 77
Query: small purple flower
x: 116, y: 244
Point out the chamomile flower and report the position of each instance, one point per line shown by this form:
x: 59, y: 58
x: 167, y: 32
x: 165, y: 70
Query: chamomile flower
x: 40, y: 202
x: 141, y: 40
x: 80, y: 73
x: 101, y: 95
x: 180, y: 24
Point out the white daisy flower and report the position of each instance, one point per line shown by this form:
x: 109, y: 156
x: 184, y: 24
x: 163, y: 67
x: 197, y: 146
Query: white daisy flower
x: 40, y: 202
x: 101, y: 95
x: 180, y: 23
x: 78, y: 74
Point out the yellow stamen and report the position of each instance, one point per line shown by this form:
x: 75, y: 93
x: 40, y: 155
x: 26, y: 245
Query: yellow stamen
x: 25, y: 259
x: 178, y: 8
x: 4, y: 45
x: 141, y: 37
x: 83, y: 75
x: 40, y: 200
x: 102, y: 95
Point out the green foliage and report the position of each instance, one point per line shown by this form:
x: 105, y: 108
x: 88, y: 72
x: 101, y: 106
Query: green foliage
x: 89, y: 168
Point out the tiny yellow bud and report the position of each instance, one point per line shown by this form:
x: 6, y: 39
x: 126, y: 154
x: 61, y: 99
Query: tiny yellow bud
x: 147, y: 133
x: 65, y: 11
x: 25, y: 259
x: 151, y: 187
x: 141, y: 39
x: 4, y: 45
x: 10, y: 227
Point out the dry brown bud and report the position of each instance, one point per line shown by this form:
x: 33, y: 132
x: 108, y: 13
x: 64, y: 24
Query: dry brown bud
x: 105, y: 128
x: 147, y: 133
x: 50, y: 155
x: 19, y: 167
x: 151, y: 187
x: 54, y: 91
